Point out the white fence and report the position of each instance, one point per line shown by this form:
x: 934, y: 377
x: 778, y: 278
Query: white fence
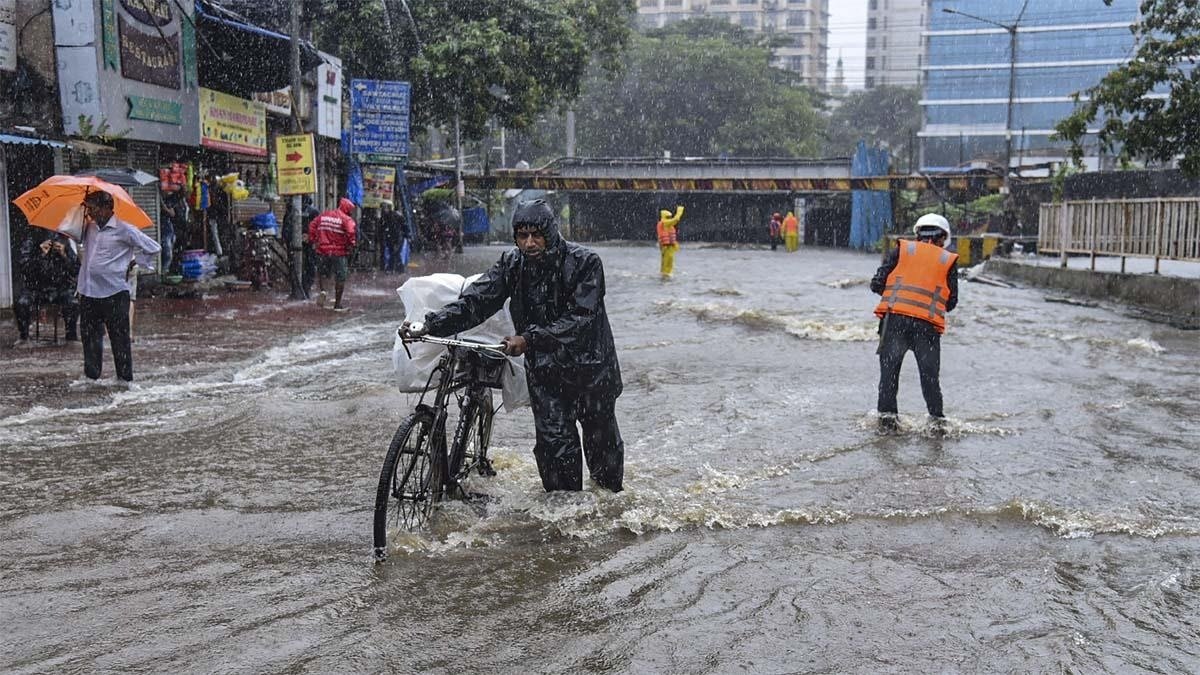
x: 1152, y: 228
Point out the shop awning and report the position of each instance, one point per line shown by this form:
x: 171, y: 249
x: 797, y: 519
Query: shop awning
x: 26, y: 140
x: 239, y: 58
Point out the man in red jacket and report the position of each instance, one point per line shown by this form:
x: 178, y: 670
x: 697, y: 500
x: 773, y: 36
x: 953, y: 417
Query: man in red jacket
x: 333, y: 235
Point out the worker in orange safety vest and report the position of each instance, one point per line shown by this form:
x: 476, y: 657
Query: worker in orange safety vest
x: 919, y: 284
x: 668, y: 239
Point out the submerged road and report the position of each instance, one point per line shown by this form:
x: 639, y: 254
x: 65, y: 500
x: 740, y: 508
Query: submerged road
x: 216, y: 516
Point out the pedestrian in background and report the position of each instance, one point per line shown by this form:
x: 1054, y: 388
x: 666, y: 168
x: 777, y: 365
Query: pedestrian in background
x: 919, y: 284
x: 333, y: 235
x: 172, y: 221
x: 391, y: 228
x: 791, y: 232
x: 775, y: 229
x: 111, y: 248
x: 668, y: 239
x: 48, y: 275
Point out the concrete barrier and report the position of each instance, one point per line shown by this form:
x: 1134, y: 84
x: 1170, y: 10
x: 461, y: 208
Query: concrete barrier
x: 1174, y: 300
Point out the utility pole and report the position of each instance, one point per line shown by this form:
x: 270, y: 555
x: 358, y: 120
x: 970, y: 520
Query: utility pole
x: 570, y: 133
x: 459, y: 189
x: 1011, y: 29
x: 293, y: 225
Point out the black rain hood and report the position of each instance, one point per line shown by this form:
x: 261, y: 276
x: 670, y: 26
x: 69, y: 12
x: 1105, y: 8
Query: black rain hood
x: 557, y: 305
x: 539, y: 214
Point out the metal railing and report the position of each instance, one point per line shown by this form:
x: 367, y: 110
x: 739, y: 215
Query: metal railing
x: 1150, y: 228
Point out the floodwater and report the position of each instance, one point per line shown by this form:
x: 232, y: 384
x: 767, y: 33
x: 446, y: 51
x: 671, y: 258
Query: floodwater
x: 216, y: 517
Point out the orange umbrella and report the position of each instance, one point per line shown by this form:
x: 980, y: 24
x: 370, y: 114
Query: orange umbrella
x: 57, y: 204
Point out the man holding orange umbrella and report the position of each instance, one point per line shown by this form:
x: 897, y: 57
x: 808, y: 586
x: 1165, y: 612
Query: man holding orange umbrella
x: 106, y: 223
x: 111, y: 247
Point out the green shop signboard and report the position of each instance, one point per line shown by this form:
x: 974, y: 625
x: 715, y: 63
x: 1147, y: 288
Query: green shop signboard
x: 155, y: 110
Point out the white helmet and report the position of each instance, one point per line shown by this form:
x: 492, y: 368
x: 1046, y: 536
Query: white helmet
x: 932, y: 220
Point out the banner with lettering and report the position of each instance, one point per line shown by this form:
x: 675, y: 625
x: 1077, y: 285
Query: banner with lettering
x: 232, y: 124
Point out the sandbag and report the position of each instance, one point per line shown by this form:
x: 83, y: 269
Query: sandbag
x: 422, y: 295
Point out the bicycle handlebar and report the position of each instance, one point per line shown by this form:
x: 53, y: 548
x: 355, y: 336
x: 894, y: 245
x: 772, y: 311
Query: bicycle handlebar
x: 450, y: 342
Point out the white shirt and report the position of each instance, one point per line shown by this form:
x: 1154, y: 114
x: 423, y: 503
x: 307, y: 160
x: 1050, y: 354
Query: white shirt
x: 107, y: 250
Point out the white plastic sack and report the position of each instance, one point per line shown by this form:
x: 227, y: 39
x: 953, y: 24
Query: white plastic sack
x: 422, y: 295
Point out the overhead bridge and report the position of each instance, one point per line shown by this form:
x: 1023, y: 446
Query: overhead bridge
x: 725, y: 199
x: 715, y: 175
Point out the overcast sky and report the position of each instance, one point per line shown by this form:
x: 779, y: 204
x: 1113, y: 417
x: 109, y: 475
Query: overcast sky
x: 848, y: 35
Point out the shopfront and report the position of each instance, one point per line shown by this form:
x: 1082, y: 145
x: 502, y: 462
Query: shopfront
x: 128, y: 81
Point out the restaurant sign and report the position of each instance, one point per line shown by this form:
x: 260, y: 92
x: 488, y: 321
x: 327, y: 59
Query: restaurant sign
x: 129, y: 65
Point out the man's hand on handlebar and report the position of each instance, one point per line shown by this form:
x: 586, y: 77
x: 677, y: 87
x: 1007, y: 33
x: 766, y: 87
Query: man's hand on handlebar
x: 410, y: 330
x: 515, y: 345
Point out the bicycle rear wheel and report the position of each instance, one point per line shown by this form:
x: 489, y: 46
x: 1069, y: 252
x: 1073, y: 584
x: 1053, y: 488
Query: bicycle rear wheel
x: 471, y: 438
x: 411, y: 480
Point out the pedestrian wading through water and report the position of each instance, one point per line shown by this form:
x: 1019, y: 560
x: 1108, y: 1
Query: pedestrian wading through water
x: 919, y: 284
x: 557, y: 304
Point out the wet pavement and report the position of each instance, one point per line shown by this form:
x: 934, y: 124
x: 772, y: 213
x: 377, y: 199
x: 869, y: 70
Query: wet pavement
x: 215, y: 516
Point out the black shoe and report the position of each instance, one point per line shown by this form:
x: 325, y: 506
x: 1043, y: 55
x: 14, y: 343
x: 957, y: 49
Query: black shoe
x: 888, y: 423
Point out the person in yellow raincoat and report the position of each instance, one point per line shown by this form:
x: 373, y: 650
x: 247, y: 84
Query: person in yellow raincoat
x: 668, y: 239
x: 791, y: 232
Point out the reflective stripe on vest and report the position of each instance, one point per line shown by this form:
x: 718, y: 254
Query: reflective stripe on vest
x: 917, y: 286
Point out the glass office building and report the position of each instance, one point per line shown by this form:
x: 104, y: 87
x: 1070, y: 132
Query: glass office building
x: 1062, y: 46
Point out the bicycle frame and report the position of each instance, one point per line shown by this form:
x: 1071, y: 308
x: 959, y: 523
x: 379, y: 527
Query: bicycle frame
x: 445, y: 371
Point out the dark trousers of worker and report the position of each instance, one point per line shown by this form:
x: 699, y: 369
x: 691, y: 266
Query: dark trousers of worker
x: 98, y: 316
x: 28, y: 300
x: 557, y: 450
x: 901, y: 335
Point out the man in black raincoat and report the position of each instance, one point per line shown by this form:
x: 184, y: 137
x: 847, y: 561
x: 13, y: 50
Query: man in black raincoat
x: 557, y: 292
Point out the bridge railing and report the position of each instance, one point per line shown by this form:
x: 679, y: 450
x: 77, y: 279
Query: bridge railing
x: 1152, y: 228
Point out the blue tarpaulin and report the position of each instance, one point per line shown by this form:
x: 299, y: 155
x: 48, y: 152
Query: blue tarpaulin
x: 871, y: 210
x: 475, y: 221
x: 354, y: 183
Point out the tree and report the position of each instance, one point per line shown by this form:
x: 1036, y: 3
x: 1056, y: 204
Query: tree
x: 886, y: 115
x: 695, y: 95
x: 1135, y: 125
x: 507, y: 60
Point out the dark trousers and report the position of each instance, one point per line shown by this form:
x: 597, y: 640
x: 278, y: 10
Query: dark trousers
x: 903, y: 334
x: 309, y: 270
x: 27, y: 300
x: 391, y: 255
x: 96, y: 316
x: 557, y: 450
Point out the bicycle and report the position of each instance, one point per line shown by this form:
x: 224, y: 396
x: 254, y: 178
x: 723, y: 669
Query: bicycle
x: 419, y: 470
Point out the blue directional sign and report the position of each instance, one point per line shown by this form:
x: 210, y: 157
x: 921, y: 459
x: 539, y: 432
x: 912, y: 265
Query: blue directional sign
x: 379, y: 114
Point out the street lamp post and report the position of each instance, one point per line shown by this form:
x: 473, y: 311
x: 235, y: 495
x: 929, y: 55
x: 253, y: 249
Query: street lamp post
x: 1011, y: 29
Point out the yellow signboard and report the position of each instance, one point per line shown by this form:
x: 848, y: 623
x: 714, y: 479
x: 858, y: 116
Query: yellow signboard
x: 295, y: 165
x: 232, y: 124
x: 379, y: 185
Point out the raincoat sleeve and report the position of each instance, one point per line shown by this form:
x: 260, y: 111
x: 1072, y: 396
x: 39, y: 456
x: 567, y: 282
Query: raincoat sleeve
x: 952, y: 286
x: 479, y: 301
x: 25, y: 256
x: 72, y: 258
x: 674, y: 220
x: 586, y: 303
x: 879, y: 281
x: 351, y: 231
x: 145, y: 250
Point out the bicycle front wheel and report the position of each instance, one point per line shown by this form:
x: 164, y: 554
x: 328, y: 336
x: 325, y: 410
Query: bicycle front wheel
x: 411, y: 480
